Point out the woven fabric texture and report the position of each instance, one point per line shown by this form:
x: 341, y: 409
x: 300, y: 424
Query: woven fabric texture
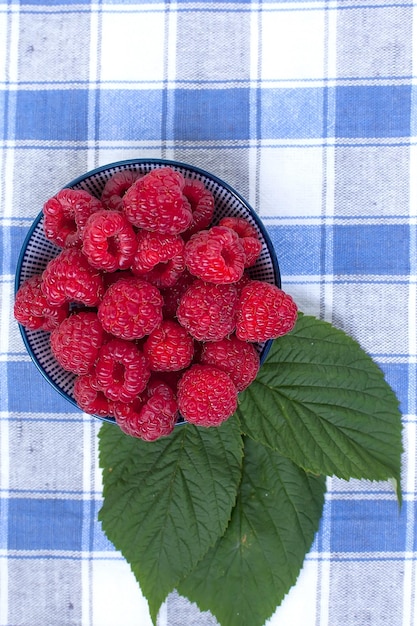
x: 309, y: 110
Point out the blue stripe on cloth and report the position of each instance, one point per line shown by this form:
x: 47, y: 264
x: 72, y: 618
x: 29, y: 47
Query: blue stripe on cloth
x: 398, y: 375
x: 29, y: 392
x: 298, y: 248
x: 16, y: 236
x: 363, y: 249
x: 211, y: 114
x: 292, y: 113
x: 135, y: 113
x: 369, y: 111
x: 28, y: 531
x: 51, y: 115
x: 362, y: 526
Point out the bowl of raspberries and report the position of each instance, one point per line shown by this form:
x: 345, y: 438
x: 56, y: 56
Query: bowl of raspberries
x: 148, y: 294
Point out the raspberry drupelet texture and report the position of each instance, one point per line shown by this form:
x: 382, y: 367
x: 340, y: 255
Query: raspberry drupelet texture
x: 239, y: 359
x: 131, y: 308
x: 169, y: 347
x: 159, y: 258
x: 264, y: 312
x: 208, y: 311
x: 90, y: 397
x: 121, y: 370
x: 70, y: 278
x: 248, y: 235
x: 33, y: 311
x: 65, y: 216
x: 155, y: 202
x: 206, y: 395
x: 150, y: 416
x: 109, y: 241
x: 215, y: 255
x: 116, y: 187
x: 75, y: 343
x: 202, y: 205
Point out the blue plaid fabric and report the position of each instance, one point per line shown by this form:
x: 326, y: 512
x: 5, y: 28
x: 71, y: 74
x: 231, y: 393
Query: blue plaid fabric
x: 309, y: 109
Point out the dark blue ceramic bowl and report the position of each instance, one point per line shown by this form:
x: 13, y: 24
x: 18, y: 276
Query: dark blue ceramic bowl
x: 37, y: 251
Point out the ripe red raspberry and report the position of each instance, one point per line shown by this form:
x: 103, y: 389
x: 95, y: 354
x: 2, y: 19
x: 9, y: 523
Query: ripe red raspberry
x: 90, y: 397
x: 169, y: 347
x: 215, y: 255
x: 202, y: 205
x: 65, y: 216
x: 109, y: 241
x: 70, y: 278
x: 208, y: 311
x: 159, y: 258
x: 264, y: 312
x: 206, y: 396
x: 155, y: 202
x: 122, y: 370
x: 116, y: 187
x: 131, y: 308
x: 173, y: 295
x: 33, y: 311
x: 75, y: 343
x: 150, y: 416
x: 249, y: 238
x: 237, y: 358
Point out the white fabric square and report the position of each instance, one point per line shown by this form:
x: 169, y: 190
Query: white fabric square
x: 291, y: 181
x: 3, y: 49
x: 299, y: 605
x: 139, y: 53
x: 292, y: 45
x: 54, y: 169
x: 374, y: 314
x: 306, y: 295
x: 116, y: 596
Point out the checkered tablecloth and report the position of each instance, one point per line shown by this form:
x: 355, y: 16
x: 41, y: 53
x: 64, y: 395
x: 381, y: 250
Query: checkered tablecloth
x: 308, y: 109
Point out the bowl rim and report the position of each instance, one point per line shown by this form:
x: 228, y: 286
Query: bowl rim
x: 124, y: 163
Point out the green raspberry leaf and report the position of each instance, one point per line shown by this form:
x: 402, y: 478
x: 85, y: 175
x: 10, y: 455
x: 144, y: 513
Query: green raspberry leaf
x: 246, y: 575
x: 167, y: 502
x: 320, y: 400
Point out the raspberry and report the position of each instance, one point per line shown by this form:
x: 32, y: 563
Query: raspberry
x: 155, y: 202
x: 202, y: 205
x: 90, y: 397
x: 264, y: 312
x: 208, y: 311
x: 116, y: 187
x: 122, y: 371
x: 215, y: 255
x: 169, y: 347
x: 150, y: 416
x: 33, y: 311
x: 76, y: 342
x: 249, y: 239
x: 159, y: 258
x: 109, y: 241
x: 65, y: 216
x: 70, y: 277
x: 131, y: 308
x: 206, y: 396
x: 173, y: 295
x: 237, y: 358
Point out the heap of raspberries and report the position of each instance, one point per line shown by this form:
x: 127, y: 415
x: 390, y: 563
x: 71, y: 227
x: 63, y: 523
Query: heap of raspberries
x: 150, y: 305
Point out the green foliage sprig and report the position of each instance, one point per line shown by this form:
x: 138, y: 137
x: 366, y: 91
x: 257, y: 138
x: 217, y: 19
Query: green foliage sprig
x: 226, y: 515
